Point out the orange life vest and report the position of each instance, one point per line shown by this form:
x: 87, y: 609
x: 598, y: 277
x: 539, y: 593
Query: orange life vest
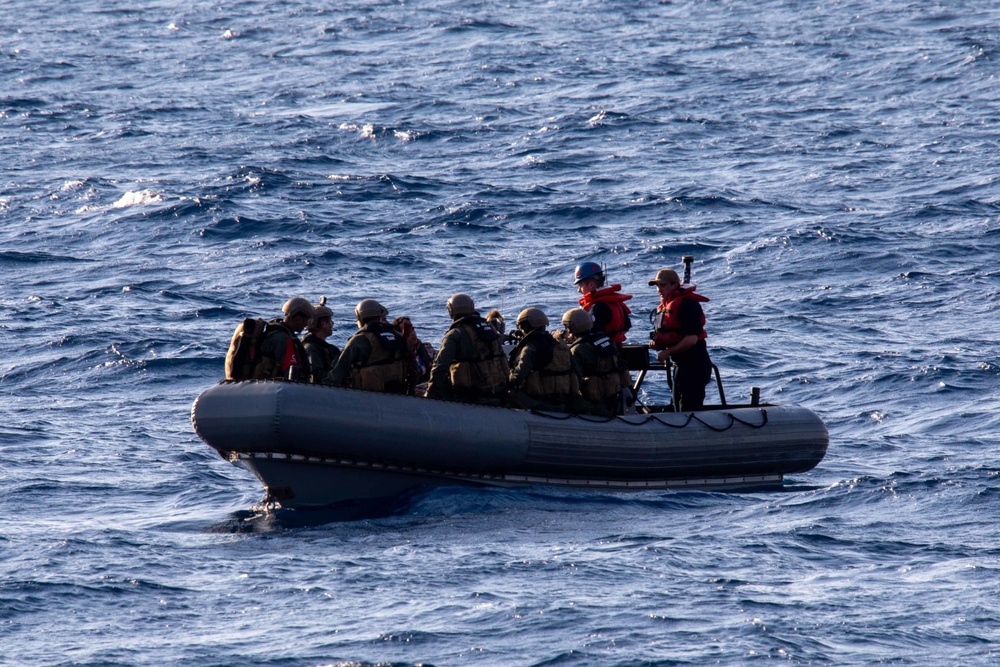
x: 612, y: 296
x: 668, y: 319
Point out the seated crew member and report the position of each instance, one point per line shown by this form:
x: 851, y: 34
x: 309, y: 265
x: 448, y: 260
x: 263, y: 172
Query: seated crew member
x: 598, y: 361
x: 470, y: 365
x: 282, y: 353
x: 605, y: 304
x: 421, y: 353
x: 376, y: 358
x: 496, y: 320
x: 321, y: 354
x: 542, y: 374
x: 679, y: 335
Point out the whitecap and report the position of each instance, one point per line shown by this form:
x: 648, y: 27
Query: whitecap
x: 137, y: 199
x: 599, y: 118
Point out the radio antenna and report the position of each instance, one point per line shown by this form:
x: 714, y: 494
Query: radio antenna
x: 503, y: 279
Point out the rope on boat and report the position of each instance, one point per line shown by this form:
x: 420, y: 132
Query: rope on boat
x: 733, y: 420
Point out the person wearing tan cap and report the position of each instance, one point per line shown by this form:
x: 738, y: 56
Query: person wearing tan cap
x: 282, y: 353
x: 679, y: 335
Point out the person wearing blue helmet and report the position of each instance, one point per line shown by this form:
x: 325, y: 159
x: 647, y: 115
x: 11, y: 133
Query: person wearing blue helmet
x: 605, y: 304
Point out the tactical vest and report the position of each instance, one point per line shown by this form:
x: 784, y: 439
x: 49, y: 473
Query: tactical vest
x: 327, y: 353
x: 294, y: 354
x: 552, y: 379
x: 387, y: 367
x: 486, y: 372
x: 603, y: 382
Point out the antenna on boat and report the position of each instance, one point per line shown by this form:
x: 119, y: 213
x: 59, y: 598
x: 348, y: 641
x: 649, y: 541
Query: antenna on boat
x: 503, y: 279
x: 687, y: 259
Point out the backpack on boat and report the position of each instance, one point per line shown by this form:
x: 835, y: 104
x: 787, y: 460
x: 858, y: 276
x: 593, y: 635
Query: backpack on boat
x: 244, y: 353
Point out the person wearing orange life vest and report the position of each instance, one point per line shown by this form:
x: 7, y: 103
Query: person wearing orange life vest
x: 281, y: 350
x: 679, y: 335
x: 605, y: 304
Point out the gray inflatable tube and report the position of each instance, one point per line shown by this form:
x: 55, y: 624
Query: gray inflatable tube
x: 313, y: 445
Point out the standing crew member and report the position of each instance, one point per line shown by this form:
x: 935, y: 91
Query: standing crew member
x: 542, y: 374
x: 470, y: 366
x: 321, y: 354
x: 282, y: 353
x: 679, y: 335
x: 376, y: 358
x: 598, y: 361
x: 605, y: 304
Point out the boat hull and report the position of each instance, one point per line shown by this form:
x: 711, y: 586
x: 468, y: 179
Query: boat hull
x: 313, y: 445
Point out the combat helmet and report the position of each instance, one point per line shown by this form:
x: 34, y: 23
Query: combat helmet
x: 368, y: 309
x: 297, y: 306
x: 319, y: 312
x: 460, y: 305
x: 532, y: 318
x: 577, y: 321
x: 588, y: 270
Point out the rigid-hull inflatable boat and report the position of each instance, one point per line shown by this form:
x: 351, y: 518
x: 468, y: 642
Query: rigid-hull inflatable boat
x: 313, y: 445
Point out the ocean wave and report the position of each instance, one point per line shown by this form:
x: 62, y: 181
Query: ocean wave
x: 831, y: 172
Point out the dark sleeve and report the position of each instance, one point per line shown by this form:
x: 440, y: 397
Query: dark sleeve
x: 440, y: 379
x: 274, y: 346
x: 314, y: 354
x: 523, y: 365
x: 690, y: 317
x: 356, y: 352
x: 578, y: 354
x: 601, y: 312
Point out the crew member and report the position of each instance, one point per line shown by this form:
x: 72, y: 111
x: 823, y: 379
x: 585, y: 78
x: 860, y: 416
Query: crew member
x: 470, y: 366
x: 496, y: 320
x: 376, y: 358
x: 603, y: 374
x: 421, y: 353
x: 605, y: 304
x: 282, y: 353
x: 321, y: 354
x: 542, y: 374
x: 679, y: 335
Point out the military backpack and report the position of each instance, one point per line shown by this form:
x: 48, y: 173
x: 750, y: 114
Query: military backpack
x: 244, y: 353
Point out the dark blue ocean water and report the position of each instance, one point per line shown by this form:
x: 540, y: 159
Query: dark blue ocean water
x: 171, y: 167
